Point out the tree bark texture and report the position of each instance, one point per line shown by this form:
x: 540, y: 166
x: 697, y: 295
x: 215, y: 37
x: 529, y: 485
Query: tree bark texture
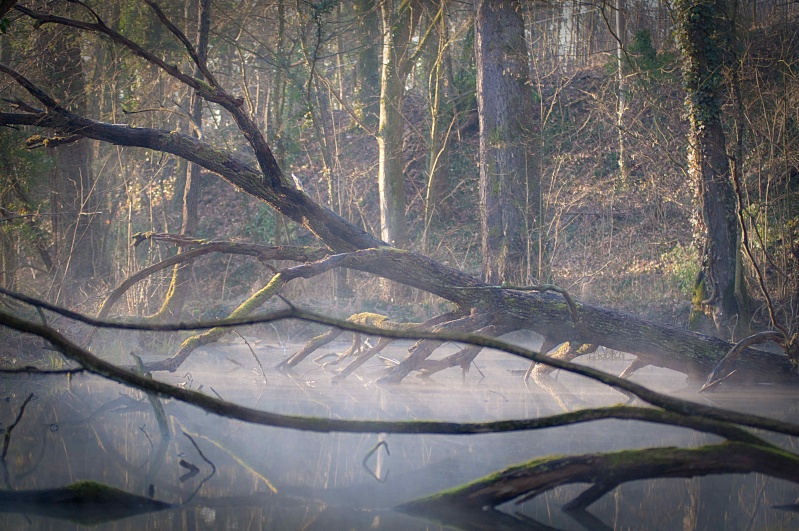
x: 509, y: 180
x: 367, y: 68
x: 701, y: 34
x: 398, y: 25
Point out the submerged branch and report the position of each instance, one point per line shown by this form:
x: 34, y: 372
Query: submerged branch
x: 722, y: 370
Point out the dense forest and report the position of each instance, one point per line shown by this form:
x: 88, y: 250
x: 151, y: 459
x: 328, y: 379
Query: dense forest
x: 600, y: 179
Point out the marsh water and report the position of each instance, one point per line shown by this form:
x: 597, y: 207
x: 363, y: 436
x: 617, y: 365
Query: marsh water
x: 86, y: 428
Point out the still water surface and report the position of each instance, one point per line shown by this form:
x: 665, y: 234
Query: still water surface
x: 266, y: 478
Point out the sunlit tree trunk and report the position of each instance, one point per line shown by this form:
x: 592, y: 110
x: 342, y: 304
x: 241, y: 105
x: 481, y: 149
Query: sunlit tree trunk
x: 439, y: 94
x: 510, y: 201
x: 621, y: 102
x: 700, y: 27
x: 398, y: 22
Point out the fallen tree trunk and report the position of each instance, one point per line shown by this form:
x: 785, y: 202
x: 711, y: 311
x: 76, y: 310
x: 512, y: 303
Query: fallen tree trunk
x: 653, y: 344
x: 605, y: 471
x: 545, y: 313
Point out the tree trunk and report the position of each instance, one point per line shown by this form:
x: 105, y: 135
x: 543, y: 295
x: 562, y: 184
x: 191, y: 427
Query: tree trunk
x: 179, y: 285
x: 541, y: 312
x: 655, y: 344
x: 367, y: 67
x: 700, y: 27
x: 621, y: 103
x: 439, y: 93
x: 509, y: 181
x: 398, y: 24
x: 74, y: 199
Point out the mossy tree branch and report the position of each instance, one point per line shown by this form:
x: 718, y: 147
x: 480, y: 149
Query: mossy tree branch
x: 605, y: 471
x: 107, y: 370
x: 660, y: 400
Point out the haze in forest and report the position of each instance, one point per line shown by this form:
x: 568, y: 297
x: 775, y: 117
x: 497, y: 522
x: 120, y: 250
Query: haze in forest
x: 613, y: 185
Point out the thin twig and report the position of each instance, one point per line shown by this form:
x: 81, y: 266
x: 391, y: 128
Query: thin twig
x: 369, y: 454
x: 747, y: 247
x: 7, y: 434
x: 202, y: 455
x: 206, y: 478
x: 253, y: 353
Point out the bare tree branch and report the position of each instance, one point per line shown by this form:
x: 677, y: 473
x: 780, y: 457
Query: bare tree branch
x: 93, y: 364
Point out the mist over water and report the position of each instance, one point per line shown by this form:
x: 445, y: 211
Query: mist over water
x: 268, y: 478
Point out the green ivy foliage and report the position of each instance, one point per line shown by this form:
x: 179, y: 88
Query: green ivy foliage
x: 700, y: 35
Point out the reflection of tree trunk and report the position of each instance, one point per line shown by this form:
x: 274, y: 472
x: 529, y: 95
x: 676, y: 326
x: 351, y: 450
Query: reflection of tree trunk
x: 542, y: 374
x: 509, y: 180
x: 701, y: 39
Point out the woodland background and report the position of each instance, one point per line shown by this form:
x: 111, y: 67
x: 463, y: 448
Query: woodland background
x: 444, y: 163
x: 620, y: 219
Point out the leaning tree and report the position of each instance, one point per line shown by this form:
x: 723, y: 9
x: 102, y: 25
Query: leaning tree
x: 495, y: 309
x: 492, y: 310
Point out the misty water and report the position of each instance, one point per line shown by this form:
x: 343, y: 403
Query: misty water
x: 266, y: 478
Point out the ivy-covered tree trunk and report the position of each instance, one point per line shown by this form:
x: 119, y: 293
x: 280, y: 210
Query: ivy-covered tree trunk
x: 510, y: 202
x: 701, y: 35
